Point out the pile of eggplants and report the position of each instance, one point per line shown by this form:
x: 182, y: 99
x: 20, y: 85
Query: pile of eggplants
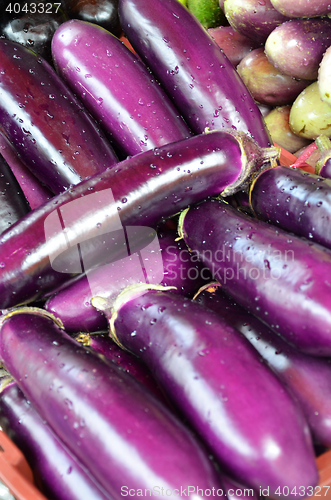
x: 161, y: 393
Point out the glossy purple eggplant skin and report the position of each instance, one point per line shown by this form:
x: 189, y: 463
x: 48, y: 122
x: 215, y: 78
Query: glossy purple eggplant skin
x: 73, y: 304
x: 307, y: 377
x: 190, y: 66
x: 253, y: 18
x: 56, y: 471
x: 296, y: 47
x: 103, y: 13
x: 13, y: 204
x: 47, y: 125
x: 101, y: 343
x: 296, y: 201
x: 146, y: 188
x: 116, y: 88
x: 280, y: 278
x: 114, y: 426
x: 216, y: 379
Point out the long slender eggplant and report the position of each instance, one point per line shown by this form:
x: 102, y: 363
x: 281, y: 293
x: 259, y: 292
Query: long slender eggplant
x: 215, y: 377
x: 13, y: 204
x: 72, y: 305
x: 47, y: 125
x: 294, y: 200
x: 140, y: 191
x: 116, y: 87
x: 34, y: 191
x: 102, y: 343
x: 307, y: 377
x: 296, y: 47
x: 114, y: 426
x: 280, y: 278
x: 56, y: 471
x: 190, y: 66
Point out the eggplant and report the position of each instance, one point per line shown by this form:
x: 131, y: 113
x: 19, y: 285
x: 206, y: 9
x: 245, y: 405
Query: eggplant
x: 265, y: 82
x: 216, y: 379
x: 34, y: 191
x: 57, y: 473
x: 310, y: 115
x: 278, y: 125
x: 267, y: 270
x: 140, y: 191
x: 234, y: 45
x: 13, y: 204
x: 116, y: 88
x: 294, y: 200
x: 253, y: 18
x: 72, y: 305
x: 114, y: 426
x: 296, y: 47
x: 302, y: 8
x: 307, y: 377
x: 32, y: 25
x: 102, y: 344
x: 46, y: 124
x: 190, y: 66
x: 104, y: 13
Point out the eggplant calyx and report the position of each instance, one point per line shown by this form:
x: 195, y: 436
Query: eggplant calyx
x: 253, y: 159
x: 38, y: 311
x: 5, y: 379
x: 180, y: 226
x: 129, y: 293
x: 209, y: 287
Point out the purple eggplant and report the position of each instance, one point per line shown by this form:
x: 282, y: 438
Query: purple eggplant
x: 116, y: 88
x: 234, y: 490
x: 255, y: 19
x: 296, y: 47
x: 140, y: 191
x: 13, y: 204
x: 307, y: 377
x: 234, y: 45
x: 101, y: 343
x: 190, y: 66
x: 34, y: 191
x: 280, y: 278
x: 56, y: 471
x: 115, y: 427
x: 216, y: 379
x: 265, y: 82
x: 302, y: 8
x: 72, y: 305
x: 47, y: 125
x: 294, y: 200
